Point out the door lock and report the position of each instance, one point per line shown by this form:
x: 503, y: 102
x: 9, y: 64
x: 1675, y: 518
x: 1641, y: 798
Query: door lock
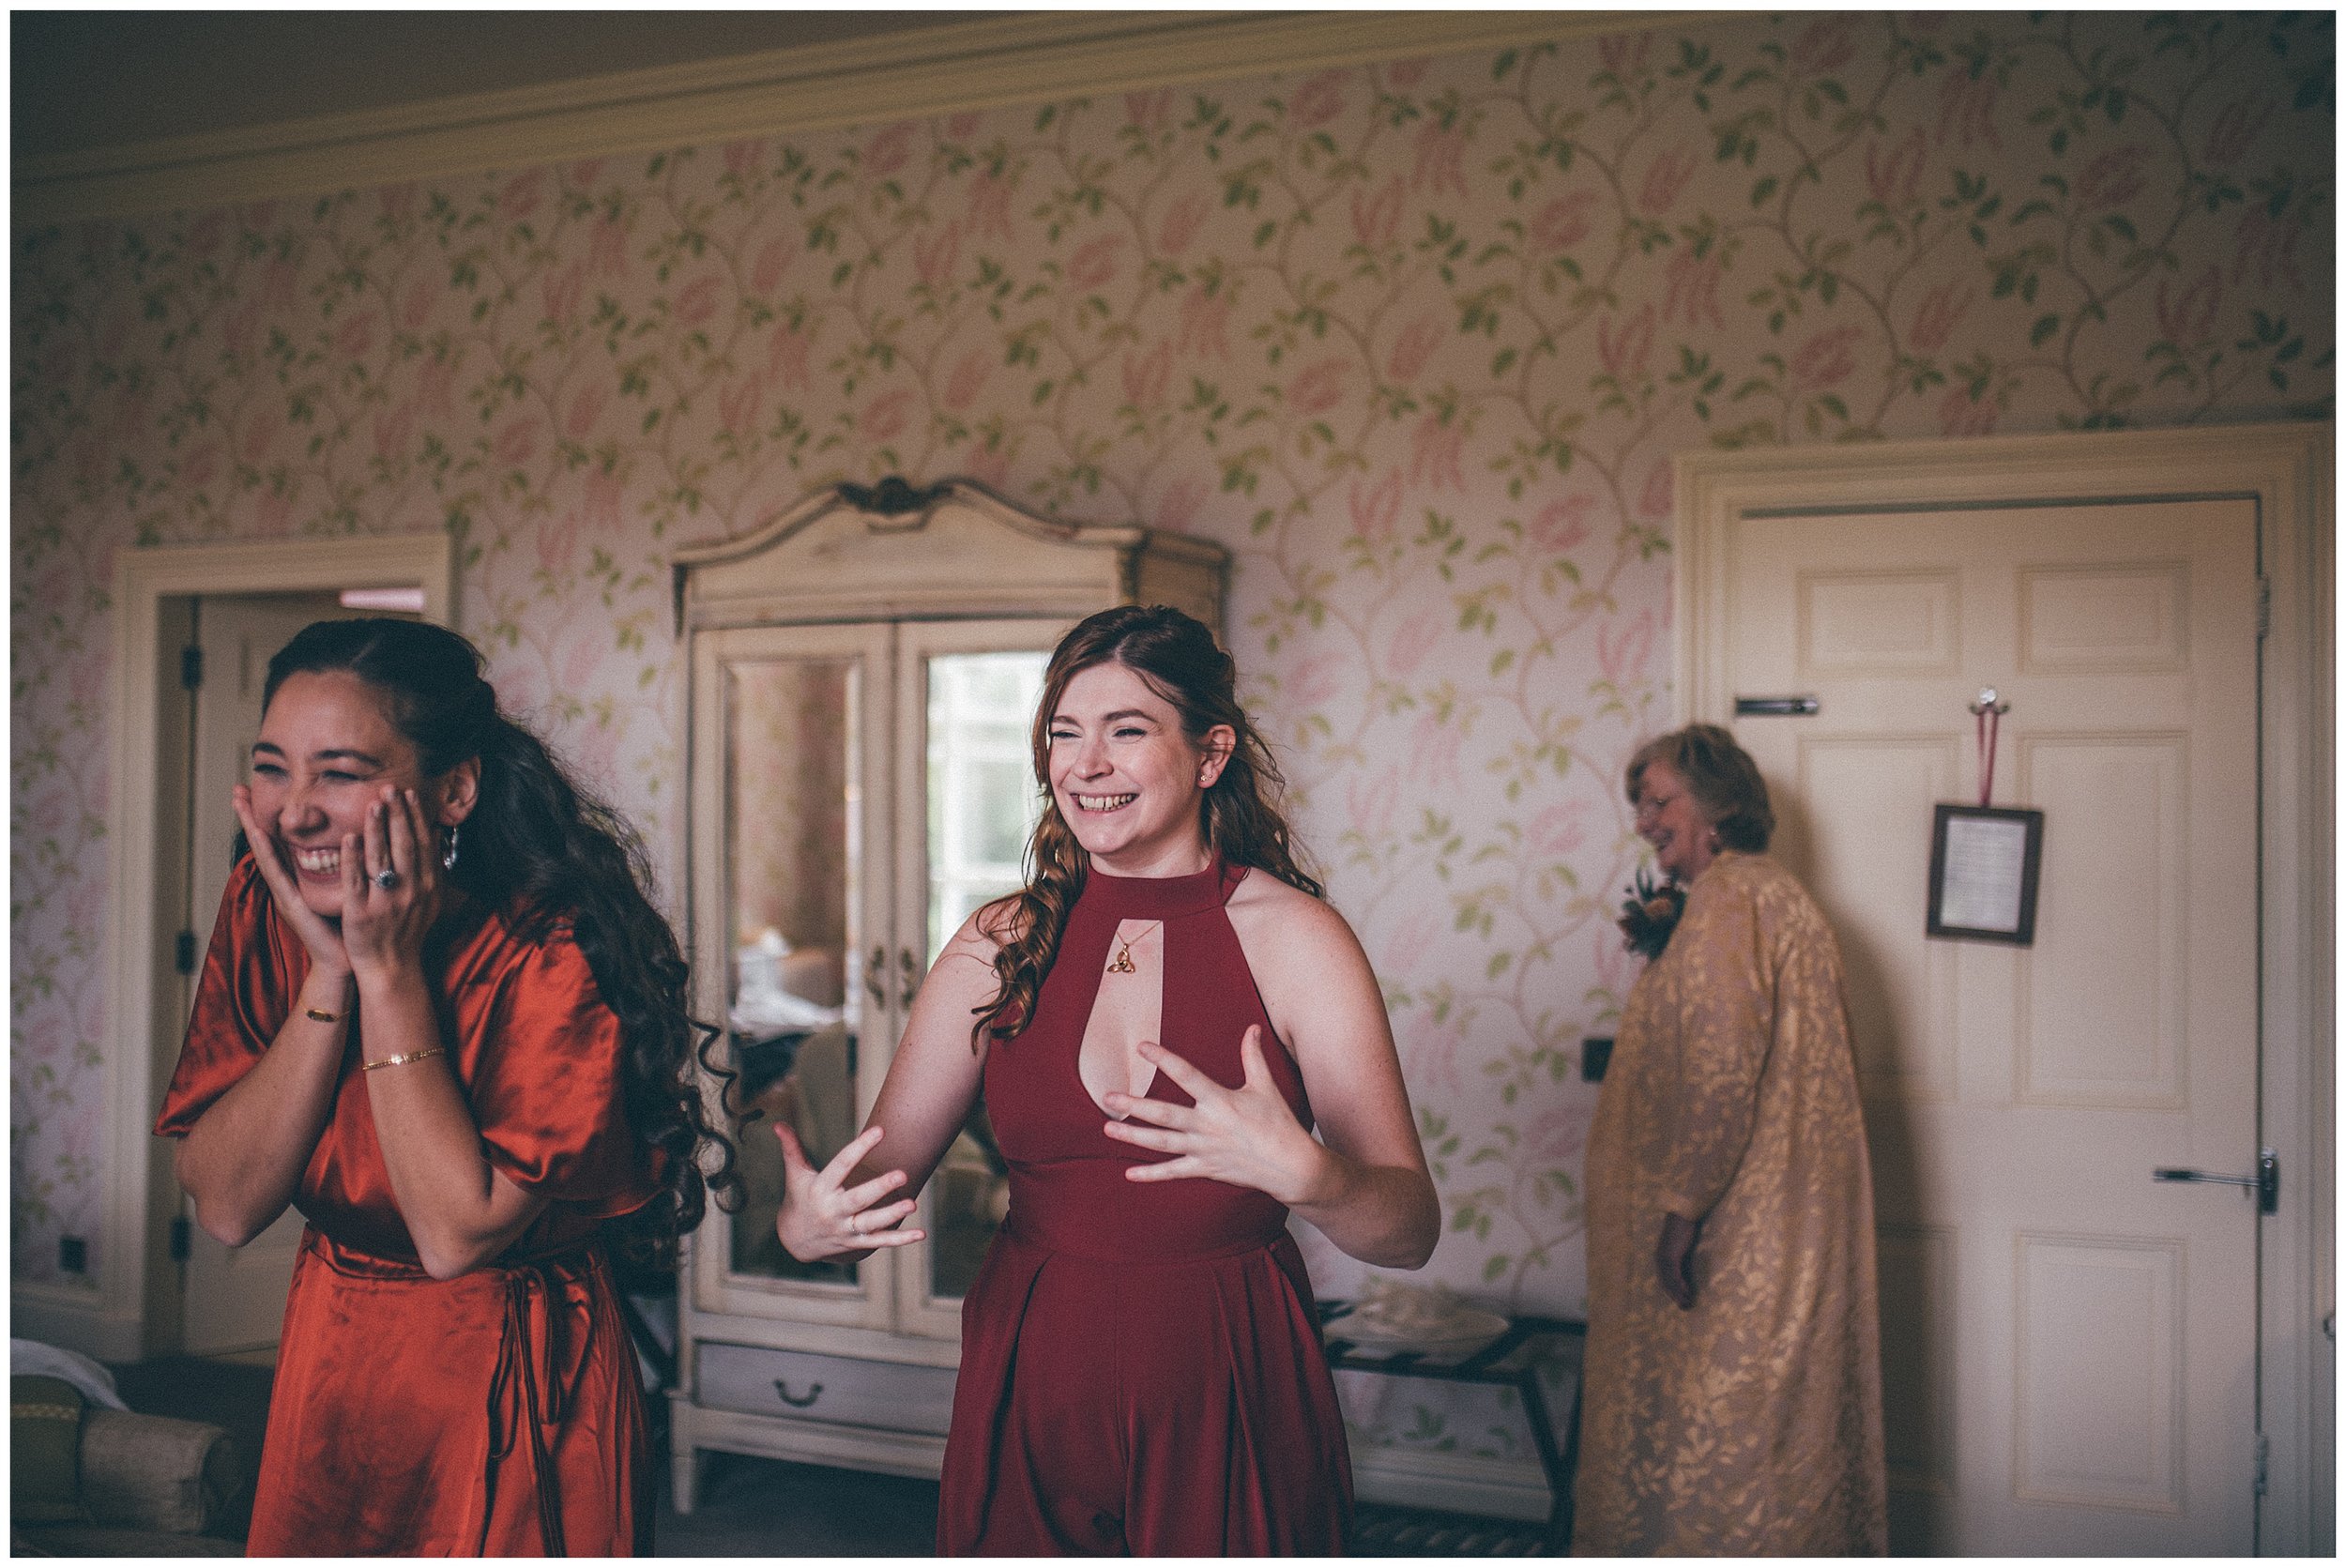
x: 2265, y: 1183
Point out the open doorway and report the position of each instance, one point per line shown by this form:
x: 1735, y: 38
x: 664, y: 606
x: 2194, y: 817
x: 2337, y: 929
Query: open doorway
x: 136, y: 1297
x: 232, y: 1298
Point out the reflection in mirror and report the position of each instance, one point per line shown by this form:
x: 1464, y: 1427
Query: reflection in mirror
x: 983, y: 804
x: 791, y: 797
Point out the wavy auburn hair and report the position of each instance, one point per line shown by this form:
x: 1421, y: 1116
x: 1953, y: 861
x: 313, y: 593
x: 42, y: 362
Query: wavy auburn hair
x: 1178, y: 659
x: 540, y: 850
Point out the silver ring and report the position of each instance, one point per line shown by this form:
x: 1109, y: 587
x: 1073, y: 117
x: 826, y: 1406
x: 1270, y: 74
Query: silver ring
x: 387, y: 878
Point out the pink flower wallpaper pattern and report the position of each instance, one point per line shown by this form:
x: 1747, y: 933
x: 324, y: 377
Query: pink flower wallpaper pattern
x: 1416, y: 340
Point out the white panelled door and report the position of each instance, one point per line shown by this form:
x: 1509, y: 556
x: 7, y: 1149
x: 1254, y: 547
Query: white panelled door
x: 2070, y: 1349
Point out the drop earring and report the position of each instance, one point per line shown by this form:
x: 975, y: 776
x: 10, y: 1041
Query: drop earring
x: 448, y: 856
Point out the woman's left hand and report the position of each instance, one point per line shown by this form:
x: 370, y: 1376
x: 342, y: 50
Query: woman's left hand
x: 1246, y: 1136
x: 384, y: 927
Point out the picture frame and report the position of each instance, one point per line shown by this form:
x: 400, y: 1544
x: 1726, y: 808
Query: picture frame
x: 1983, y: 873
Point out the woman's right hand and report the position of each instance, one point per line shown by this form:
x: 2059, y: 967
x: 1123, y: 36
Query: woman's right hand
x: 823, y: 1217
x: 319, y: 935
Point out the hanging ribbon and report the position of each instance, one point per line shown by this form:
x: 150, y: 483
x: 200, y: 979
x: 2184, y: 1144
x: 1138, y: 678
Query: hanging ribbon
x: 1987, y: 713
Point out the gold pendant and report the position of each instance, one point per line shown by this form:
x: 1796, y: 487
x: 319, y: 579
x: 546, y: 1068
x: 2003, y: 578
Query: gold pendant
x: 1123, y: 965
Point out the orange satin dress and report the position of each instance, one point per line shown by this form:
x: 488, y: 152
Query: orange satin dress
x: 495, y: 1414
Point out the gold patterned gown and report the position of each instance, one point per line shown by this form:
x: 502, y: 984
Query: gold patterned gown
x: 1751, y: 1425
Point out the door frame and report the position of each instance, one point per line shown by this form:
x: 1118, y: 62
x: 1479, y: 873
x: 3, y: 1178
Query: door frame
x: 2286, y: 470
x: 135, y: 1311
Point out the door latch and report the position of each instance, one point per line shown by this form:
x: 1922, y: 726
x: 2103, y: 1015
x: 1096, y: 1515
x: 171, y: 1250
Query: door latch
x: 2265, y: 1183
x: 1777, y: 708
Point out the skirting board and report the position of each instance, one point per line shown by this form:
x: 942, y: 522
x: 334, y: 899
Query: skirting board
x: 73, y: 1320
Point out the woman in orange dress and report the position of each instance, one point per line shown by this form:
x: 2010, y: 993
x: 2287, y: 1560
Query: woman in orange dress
x: 439, y: 1017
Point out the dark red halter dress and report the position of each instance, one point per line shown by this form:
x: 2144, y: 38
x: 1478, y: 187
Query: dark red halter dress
x: 1141, y: 1371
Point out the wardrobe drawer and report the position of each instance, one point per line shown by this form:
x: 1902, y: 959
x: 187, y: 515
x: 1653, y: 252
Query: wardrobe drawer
x: 887, y: 1395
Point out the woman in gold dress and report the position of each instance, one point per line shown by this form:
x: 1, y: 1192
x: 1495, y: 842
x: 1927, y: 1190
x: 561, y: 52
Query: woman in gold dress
x: 1733, y: 1396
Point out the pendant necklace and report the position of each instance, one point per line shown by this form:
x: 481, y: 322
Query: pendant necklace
x: 1123, y: 965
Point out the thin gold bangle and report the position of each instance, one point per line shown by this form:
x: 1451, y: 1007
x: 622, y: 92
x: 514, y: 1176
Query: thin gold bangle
x: 326, y: 1017
x: 402, y: 1060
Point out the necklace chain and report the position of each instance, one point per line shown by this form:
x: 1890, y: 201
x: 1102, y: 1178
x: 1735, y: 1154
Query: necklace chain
x: 1123, y: 964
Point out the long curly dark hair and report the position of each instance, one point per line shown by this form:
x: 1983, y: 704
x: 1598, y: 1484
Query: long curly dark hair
x: 1177, y: 656
x: 540, y: 850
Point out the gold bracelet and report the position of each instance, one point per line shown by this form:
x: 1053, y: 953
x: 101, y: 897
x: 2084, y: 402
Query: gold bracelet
x: 326, y: 1017
x: 402, y: 1060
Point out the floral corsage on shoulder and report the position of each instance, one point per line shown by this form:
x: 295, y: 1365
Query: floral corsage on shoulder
x: 1650, y: 914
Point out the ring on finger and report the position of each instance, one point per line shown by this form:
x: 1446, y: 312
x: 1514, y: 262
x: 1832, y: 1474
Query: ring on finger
x: 387, y: 878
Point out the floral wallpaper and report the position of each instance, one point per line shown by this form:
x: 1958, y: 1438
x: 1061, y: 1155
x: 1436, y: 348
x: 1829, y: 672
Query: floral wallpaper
x: 1416, y: 340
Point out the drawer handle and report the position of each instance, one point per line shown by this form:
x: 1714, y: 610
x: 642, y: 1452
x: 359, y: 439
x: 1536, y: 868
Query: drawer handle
x: 814, y: 1392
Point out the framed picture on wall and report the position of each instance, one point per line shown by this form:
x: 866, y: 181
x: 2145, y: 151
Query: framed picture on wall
x: 1983, y: 873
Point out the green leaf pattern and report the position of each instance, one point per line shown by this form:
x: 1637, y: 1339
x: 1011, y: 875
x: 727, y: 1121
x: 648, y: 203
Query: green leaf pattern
x: 1416, y: 340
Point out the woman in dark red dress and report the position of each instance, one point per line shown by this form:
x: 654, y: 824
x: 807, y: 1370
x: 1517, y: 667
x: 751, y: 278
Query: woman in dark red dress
x: 1159, y: 1020
x: 440, y: 1018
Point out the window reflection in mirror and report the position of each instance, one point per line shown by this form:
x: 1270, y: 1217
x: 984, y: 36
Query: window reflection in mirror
x: 792, y: 828
x: 983, y: 802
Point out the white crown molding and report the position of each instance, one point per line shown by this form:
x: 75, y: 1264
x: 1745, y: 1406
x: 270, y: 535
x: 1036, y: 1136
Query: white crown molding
x: 942, y: 70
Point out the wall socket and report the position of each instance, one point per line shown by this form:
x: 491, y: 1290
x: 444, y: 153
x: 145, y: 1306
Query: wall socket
x: 72, y: 1254
x: 1594, y: 1054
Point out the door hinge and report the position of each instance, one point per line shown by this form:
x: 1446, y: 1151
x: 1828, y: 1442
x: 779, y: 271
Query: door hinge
x: 2265, y: 1461
x: 183, y: 954
x: 2264, y: 608
x: 182, y: 1238
x: 191, y: 666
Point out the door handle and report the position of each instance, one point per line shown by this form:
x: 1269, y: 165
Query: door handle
x: 876, y: 976
x: 2265, y: 1183
x: 911, y: 975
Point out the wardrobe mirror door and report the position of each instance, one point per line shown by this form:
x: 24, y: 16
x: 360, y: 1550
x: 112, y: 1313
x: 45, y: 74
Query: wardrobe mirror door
x: 792, y: 808
x: 983, y: 803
